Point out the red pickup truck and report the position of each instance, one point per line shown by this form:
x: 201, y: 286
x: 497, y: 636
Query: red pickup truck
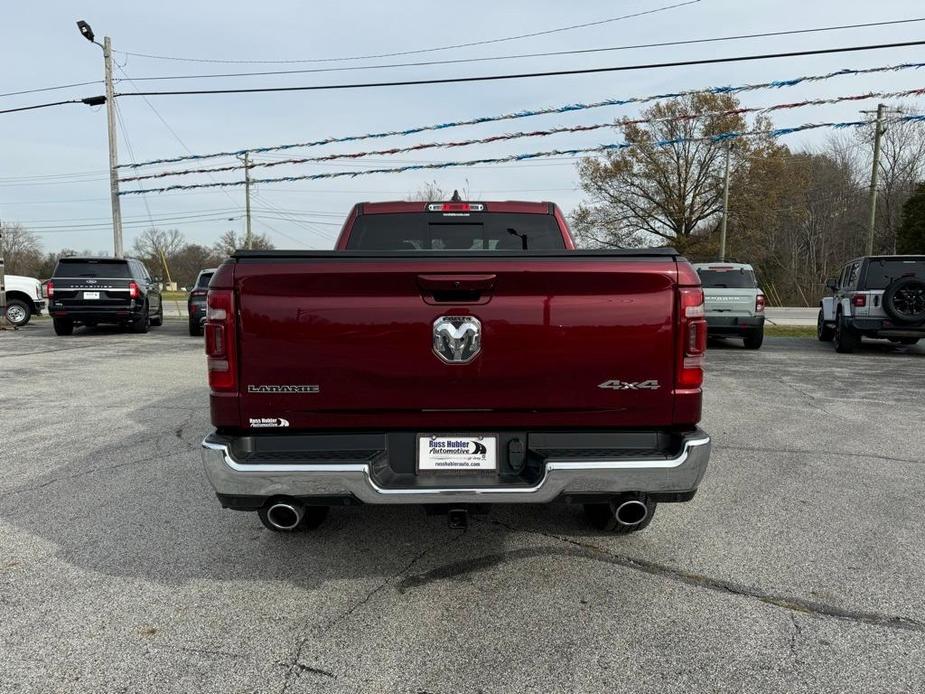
x: 455, y: 354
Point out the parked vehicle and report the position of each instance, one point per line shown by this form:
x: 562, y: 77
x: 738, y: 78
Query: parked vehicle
x: 196, y: 301
x: 455, y: 354
x: 733, y: 303
x: 24, y: 299
x: 90, y: 291
x: 879, y: 296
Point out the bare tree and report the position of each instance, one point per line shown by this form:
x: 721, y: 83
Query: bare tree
x: 20, y: 249
x: 230, y: 241
x: 158, y: 246
x: 667, y: 185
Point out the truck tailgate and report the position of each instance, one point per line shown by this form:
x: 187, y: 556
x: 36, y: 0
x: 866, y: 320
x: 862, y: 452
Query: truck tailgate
x: 339, y: 342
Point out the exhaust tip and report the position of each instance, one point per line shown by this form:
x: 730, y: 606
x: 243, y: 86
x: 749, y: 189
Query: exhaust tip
x: 284, y: 516
x: 631, y: 512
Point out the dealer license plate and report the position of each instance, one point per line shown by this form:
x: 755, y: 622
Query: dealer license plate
x: 91, y: 295
x: 457, y: 452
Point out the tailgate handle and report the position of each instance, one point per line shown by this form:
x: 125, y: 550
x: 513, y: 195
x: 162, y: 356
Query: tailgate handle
x: 456, y: 289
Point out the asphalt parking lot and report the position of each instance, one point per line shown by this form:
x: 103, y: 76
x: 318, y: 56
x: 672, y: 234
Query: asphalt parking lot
x: 799, y: 567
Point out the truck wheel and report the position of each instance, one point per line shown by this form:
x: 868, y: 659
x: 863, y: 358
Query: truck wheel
x: 312, y: 517
x: 846, y: 338
x: 824, y: 332
x: 18, y: 312
x: 194, y: 328
x: 158, y: 320
x: 605, y: 516
x: 63, y: 326
x: 142, y: 323
x: 754, y: 338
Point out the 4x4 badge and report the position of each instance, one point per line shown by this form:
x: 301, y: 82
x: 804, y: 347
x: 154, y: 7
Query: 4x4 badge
x: 630, y: 385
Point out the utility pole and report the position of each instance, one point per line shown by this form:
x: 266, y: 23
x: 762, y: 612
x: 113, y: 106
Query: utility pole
x: 875, y: 170
x: 248, y: 239
x: 722, y: 228
x: 117, y: 246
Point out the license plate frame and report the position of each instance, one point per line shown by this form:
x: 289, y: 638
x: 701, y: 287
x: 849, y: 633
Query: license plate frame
x: 446, y: 459
x: 91, y: 296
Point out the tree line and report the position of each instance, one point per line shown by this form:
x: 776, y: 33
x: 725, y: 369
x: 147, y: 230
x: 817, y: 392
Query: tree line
x: 795, y: 215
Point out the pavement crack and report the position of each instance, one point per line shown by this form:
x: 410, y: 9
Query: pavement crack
x: 295, y: 667
x: 813, y: 401
x: 803, y: 451
x: 588, y: 551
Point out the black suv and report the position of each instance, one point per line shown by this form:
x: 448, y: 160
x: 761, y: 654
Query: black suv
x: 875, y: 296
x: 196, y: 301
x: 89, y: 291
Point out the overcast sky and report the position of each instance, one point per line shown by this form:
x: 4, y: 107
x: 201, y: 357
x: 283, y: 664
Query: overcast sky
x: 54, y: 161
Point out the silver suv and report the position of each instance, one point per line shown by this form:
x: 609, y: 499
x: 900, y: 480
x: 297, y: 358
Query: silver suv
x: 875, y: 296
x: 733, y: 303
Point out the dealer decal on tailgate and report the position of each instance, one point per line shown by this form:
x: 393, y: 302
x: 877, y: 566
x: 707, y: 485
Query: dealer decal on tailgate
x: 457, y: 452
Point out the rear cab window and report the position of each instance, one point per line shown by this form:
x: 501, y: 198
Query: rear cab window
x: 91, y: 267
x: 882, y: 271
x: 428, y: 231
x: 727, y: 278
x: 203, y: 280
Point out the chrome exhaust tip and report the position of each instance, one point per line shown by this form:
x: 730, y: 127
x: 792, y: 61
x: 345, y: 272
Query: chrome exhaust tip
x: 284, y: 516
x: 631, y: 512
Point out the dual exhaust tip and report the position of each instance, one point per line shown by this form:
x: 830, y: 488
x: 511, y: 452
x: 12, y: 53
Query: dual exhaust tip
x: 286, y: 516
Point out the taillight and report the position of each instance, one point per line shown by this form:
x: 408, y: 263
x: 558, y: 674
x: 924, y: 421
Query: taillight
x: 759, y: 303
x: 693, y: 341
x: 49, y: 289
x: 859, y: 300
x: 198, y: 292
x: 133, y: 290
x: 221, y: 351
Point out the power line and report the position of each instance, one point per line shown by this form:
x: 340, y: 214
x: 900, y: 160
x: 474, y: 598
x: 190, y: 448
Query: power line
x: 741, y: 111
x: 585, y: 51
x: 527, y: 75
x: 419, y: 50
x: 549, y: 110
x: 51, y: 89
x: 601, y: 149
x: 49, y: 105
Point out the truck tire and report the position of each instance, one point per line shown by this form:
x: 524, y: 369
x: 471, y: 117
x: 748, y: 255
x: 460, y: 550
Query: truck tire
x: 904, y: 300
x: 195, y: 329
x: 753, y: 338
x: 604, y: 516
x: 63, y: 326
x: 846, y: 338
x: 18, y: 312
x: 824, y: 332
x: 142, y: 323
x: 312, y: 517
x: 158, y: 320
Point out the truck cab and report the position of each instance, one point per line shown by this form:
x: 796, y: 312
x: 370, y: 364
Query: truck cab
x: 733, y: 302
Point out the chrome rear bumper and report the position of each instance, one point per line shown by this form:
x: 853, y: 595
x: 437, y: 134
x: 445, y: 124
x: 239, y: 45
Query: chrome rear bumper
x: 562, y: 477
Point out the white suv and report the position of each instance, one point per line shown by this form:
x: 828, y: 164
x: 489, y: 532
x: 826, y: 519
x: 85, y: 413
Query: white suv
x: 733, y: 303
x: 875, y: 296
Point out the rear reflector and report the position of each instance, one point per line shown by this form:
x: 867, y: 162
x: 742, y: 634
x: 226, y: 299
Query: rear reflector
x: 455, y: 207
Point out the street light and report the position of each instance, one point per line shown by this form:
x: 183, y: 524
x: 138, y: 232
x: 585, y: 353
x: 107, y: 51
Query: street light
x: 87, y: 32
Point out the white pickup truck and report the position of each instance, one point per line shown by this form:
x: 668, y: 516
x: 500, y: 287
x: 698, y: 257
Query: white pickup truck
x: 23, y: 299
